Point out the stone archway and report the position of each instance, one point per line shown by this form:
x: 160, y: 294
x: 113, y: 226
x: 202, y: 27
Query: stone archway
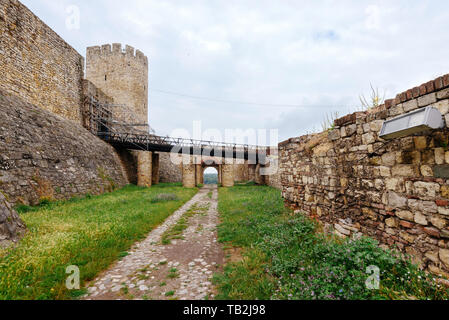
x: 210, y: 164
x: 209, y: 173
x: 193, y: 172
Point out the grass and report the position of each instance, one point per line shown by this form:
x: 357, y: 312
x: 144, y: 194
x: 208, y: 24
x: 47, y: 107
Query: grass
x: 173, y: 274
x: 90, y: 233
x: 285, y: 257
x: 176, y: 231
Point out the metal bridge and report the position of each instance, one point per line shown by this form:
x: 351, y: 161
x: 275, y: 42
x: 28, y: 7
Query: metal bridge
x: 114, y: 124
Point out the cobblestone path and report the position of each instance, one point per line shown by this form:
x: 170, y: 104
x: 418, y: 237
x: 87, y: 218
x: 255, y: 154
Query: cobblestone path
x: 176, y: 261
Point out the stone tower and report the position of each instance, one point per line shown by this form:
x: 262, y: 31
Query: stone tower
x: 122, y: 75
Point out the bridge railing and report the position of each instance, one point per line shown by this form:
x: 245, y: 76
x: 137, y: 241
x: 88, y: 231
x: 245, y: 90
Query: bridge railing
x: 101, y: 121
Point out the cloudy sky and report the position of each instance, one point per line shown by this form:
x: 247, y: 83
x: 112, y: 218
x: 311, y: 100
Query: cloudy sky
x: 264, y: 64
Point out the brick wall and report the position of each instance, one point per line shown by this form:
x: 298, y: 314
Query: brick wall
x: 356, y: 183
x: 38, y: 65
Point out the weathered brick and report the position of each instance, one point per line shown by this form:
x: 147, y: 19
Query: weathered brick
x: 432, y: 232
x: 388, y: 103
x: 422, y: 89
x: 415, y: 91
x: 446, y: 80
x: 442, y: 203
x: 438, y: 83
x: 406, y: 224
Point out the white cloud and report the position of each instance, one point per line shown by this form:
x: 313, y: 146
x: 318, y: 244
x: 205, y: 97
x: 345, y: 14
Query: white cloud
x: 314, y: 53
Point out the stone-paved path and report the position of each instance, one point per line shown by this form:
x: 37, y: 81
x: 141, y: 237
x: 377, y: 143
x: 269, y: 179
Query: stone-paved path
x: 181, y: 270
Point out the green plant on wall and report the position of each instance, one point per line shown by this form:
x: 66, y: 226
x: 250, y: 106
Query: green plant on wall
x: 442, y: 141
x: 375, y: 99
x: 107, y: 180
x: 328, y: 123
x: 43, y: 188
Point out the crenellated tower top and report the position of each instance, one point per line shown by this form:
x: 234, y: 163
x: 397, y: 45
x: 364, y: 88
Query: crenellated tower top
x: 116, y: 50
x: 121, y: 74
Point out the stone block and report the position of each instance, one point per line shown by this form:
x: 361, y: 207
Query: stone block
x: 442, y: 106
x: 427, y: 99
x: 420, y: 219
x: 368, y: 138
x: 376, y: 125
x: 396, y: 201
x: 444, y: 257
x: 441, y: 171
x: 445, y: 191
x: 439, y: 156
x: 420, y: 142
x: 334, y: 135
x: 389, y: 159
x: 404, y: 170
x: 392, y: 222
x: 342, y: 230
x: 443, y: 94
x: 443, y: 211
x: 385, y: 171
x: 396, y: 111
x: 426, y: 189
x: 426, y: 171
x: 438, y: 222
x: 405, y: 215
x: 410, y: 105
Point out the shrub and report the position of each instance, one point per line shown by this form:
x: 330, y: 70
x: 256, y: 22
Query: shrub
x: 164, y: 197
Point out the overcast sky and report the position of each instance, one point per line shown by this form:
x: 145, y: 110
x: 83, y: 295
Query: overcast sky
x: 320, y: 55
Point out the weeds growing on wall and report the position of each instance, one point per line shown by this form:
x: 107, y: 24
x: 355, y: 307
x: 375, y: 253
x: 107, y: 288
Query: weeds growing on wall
x: 43, y: 188
x: 284, y: 256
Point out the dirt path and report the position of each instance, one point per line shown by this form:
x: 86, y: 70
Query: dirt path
x: 181, y: 269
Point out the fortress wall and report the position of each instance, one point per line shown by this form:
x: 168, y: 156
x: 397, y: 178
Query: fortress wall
x: 274, y: 179
x: 356, y: 183
x: 169, y: 172
x: 44, y: 156
x: 38, y: 65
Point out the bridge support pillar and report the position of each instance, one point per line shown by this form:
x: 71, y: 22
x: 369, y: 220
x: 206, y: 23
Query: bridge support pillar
x: 227, y: 175
x: 251, y: 172
x: 259, y: 179
x: 144, y: 168
x: 199, y: 174
x: 220, y: 180
x: 155, y: 169
x: 188, y: 175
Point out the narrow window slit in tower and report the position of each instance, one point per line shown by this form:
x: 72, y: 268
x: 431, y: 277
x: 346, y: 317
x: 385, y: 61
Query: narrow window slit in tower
x: 105, y: 77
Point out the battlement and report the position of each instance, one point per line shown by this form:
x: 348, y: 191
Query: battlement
x: 116, y: 50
